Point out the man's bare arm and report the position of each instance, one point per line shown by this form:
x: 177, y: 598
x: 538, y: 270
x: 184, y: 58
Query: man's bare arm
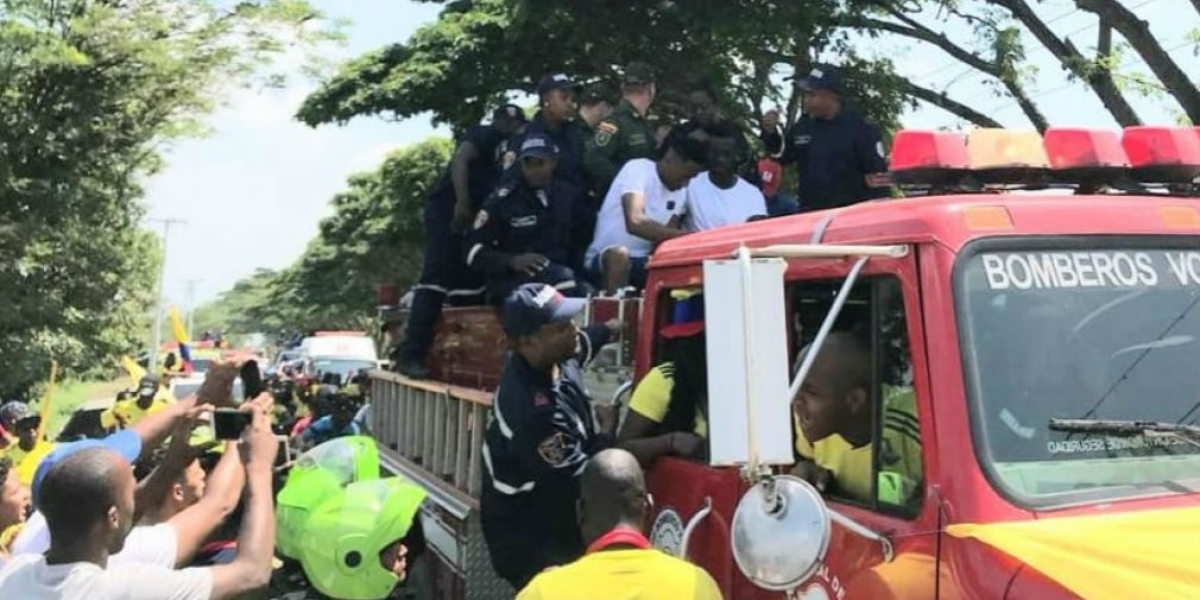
x: 251, y: 570
x: 195, y: 524
x: 638, y: 223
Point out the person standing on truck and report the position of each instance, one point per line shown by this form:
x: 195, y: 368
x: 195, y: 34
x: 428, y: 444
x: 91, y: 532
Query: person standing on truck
x: 449, y: 211
x: 839, y: 156
x: 626, y: 134
x: 556, y: 93
x: 770, y: 171
x: 528, y: 229
x: 540, y: 434
x: 620, y: 563
x: 644, y: 206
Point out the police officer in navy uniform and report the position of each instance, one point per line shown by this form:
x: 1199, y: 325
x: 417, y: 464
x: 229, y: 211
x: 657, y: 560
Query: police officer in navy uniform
x: 533, y: 228
x: 839, y: 156
x: 540, y: 435
x: 450, y: 209
x: 555, y: 119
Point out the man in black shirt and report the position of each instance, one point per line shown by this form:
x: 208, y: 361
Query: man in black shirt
x: 533, y: 228
x: 450, y: 209
x: 540, y: 434
x: 839, y: 156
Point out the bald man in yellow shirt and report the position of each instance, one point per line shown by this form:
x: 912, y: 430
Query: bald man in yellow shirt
x: 835, y: 426
x: 620, y: 564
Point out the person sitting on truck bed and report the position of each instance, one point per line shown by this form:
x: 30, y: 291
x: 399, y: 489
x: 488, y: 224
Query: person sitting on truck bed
x: 540, y: 434
x: 667, y: 413
x: 835, y: 428
x: 620, y: 562
x: 525, y: 231
x: 644, y: 206
x: 720, y: 197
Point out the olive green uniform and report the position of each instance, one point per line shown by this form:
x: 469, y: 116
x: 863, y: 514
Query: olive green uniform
x: 622, y: 137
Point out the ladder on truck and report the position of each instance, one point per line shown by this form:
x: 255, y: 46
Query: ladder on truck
x: 432, y: 433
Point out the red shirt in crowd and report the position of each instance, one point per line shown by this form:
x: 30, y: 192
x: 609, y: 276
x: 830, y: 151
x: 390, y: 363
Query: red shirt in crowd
x: 771, y: 173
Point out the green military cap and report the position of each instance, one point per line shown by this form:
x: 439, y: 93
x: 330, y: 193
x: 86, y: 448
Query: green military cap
x: 638, y: 74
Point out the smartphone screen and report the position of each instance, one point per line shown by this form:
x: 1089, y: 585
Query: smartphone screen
x: 252, y: 382
x: 228, y: 424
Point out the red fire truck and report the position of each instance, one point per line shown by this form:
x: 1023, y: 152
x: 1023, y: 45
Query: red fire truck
x: 1036, y: 299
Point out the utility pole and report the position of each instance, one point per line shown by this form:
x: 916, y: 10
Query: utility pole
x: 156, y: 334
x: 191, y: 302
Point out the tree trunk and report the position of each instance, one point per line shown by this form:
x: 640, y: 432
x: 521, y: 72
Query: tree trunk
x: 953, y: 107
x: 1137, y: 33
x: 1071, y: 59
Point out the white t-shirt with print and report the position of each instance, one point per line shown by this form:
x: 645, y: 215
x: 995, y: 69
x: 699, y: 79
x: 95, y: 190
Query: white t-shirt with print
x: 146, y: 545
x: 28, y: 577
x: 709, y: 206
x: 639, y: 175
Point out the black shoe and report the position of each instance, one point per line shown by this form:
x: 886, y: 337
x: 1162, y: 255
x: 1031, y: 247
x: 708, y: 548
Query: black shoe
x: 413, y: 369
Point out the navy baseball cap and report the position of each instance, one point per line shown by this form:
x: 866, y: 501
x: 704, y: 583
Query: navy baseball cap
x: 509, y: 111
x: 822, y: 77
x: 539, y: 145
x: 125, y: 443
x: 535, y: 305
x: 557, y: 81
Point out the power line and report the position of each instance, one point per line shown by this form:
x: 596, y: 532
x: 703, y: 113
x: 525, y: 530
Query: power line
x: 951, y: 63
x: 1069, y: 84
x: 1040, y: 49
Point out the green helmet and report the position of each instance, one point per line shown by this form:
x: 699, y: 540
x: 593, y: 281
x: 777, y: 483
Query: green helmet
x: 347, y: 533
x: 318, y: 475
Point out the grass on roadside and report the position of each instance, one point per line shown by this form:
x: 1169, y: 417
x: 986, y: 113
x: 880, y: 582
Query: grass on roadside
x: 69, y: 395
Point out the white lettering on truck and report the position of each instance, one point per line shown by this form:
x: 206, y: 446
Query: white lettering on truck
x: 1068, y: 270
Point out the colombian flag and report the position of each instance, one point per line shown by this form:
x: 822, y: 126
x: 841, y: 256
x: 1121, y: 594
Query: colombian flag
x: 181, y: 337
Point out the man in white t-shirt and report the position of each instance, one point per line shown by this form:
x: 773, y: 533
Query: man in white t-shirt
x: 719, y: 197
x: 87, y: 499
x: 644, y: 206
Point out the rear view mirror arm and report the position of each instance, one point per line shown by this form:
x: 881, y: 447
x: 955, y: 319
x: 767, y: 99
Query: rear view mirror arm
x: 889, y: 553
x: 826, y: 326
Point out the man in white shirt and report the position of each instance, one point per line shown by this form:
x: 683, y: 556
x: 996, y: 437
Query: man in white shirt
x: 87, y: 499
x: 719, y: 197
x: 644, y: 206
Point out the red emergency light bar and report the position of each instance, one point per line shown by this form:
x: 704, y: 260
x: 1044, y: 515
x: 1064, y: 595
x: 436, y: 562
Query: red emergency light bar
x: 1163, y: 154
x: 1082, y: 157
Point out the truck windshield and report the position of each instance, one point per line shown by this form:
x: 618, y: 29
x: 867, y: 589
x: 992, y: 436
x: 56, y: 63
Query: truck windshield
x: 344, y: 368
x: 1101, y: 333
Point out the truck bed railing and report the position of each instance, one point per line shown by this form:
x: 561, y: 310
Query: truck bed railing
x: 437, y: 426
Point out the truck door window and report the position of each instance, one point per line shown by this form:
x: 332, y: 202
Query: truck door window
x: 668, y: 411
x: 855, y: 418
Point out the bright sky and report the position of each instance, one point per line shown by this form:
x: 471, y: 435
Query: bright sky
x: 253, y: 192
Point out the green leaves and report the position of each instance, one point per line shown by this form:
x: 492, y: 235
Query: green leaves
x: 480, y: 52
x: 89, y: 90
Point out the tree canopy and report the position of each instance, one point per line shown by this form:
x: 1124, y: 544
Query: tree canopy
x: 89, y: 92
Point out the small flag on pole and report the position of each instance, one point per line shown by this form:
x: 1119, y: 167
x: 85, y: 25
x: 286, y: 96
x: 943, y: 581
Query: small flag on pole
x: 181, y: 337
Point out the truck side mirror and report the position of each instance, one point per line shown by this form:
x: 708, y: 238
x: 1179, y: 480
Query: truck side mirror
x: 746, y: 328
x: 780, y: 533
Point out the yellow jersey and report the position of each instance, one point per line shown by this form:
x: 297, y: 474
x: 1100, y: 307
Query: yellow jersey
x: 127, y: 412
x: 652, y: 396
x: 623, y: 575
x: 900, y: 462
x: 26, y: 463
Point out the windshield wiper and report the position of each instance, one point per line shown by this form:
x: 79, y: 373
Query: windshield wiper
x: 1187, y: 433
